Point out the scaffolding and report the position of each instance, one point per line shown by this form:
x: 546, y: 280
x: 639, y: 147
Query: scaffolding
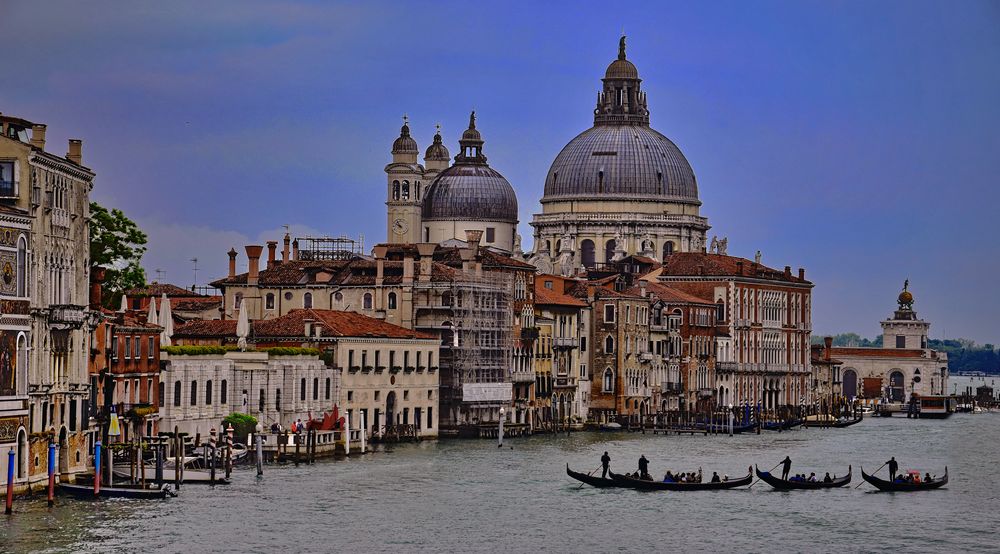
x: 330, y: 248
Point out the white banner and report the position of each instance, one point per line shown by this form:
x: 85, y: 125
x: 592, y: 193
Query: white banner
x: 487, y: 392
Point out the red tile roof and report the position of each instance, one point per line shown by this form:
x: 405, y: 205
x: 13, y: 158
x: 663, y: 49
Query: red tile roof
x: 546, y: 297
x: 206, y: 328
x: 692, y: 264
x: 877, y: 352
x: 335, y: 323
x: 669, y: 294
x: 195, y: 304
x: 158, y: 289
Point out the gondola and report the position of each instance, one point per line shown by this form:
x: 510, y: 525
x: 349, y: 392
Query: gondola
x: 592, y: 480
x: 782, y: 484
x: 642, y: 484
x: 890, y: 486
x: 87, y: 491
x: 723, y: 428
x: 781, y: 425
x: 833, y: 423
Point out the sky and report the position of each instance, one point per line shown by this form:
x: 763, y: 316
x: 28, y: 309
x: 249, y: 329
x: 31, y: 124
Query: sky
x: 856, y: 139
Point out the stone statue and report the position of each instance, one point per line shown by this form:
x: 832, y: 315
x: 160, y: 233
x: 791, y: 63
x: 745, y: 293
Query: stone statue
x: 723, y: 246
x: 906, y: 285
x: 517, y: 244
x: 756, y: 257
x: 713, y: 247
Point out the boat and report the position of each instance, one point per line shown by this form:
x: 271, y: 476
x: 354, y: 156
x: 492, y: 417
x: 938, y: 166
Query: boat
x: 891, y: 486
x: 781, y: 425
x: 936, y: 406
x: 611, y: 426
x: 642, y: 484
x: 724, y: 428
x: 87, y: 491
x: 784, y: 484
x: 832, y: 422
x: 192, y: 473
x: 592, y: 480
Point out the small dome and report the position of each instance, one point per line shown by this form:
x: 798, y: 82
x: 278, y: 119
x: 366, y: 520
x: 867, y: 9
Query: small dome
x: 621, y: 69
x: 906, y: 297
x: 437, y: 151
x: 470, y: 192
x: 472, y: 134
x: 405, y: 143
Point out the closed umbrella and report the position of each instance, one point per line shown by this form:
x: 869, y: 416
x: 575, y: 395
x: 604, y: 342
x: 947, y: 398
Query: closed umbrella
x: 166, y: 321
x: 124, y: 306
x: 151, y: 318
x: 243, y: 329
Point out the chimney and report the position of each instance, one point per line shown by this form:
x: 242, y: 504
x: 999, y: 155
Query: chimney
x: 253, y: 265
x: 802, y: 274
x: 308, y: 322
x: 75, y: 153
x: 828, y: 343
x: 272, y: 247
x: 96, y: 278
x: 38, y: 136
x: 232, y: 262
x: 407, y: 269
x: 472, y: 237
x: 642, y: 288
x: 284, y: 250
x: 426, y: 252
x: 318, y: 329
x: 295, y: 249
x: 788, y: 272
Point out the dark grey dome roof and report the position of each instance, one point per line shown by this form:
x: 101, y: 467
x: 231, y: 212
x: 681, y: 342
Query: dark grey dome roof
x: 405, y: 143
x: 437, y: 150
x: 621, y: 161
x: 621, y: 69
x: 470, y: 192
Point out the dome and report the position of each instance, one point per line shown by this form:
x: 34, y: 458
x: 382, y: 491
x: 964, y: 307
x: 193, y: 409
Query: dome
x: 470, y: 192
x: 621, y: 69
x: 617, y: 161
x: 437, y: 150
x: 906, y: 297
x: 405, y: 143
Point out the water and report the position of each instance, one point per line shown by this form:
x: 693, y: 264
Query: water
x: 470, y: 496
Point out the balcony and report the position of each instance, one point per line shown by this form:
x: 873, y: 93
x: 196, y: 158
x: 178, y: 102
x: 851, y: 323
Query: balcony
x: 66, y: 314
x: 725, y: 366
x: 522, y: 376
x: 646, y: 356
x: 671, y: 387
x: 705, y: 393
x: 564, y: 382
x: 565, y: 342
x: 8, y: 190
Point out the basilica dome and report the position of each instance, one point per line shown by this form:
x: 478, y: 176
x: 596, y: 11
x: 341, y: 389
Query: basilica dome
x: 470, y: 190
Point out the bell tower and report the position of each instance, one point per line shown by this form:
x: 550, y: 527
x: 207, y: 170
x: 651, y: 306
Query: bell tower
x: 405, y: 183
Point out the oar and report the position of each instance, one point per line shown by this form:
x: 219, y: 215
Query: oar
x: 589, y: 474
x: 873, y: 473
x: 758, y: 480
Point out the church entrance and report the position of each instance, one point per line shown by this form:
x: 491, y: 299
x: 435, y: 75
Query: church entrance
x: 850, y: 383
x: 896, y: 386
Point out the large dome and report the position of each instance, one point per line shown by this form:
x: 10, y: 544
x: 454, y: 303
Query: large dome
x: 472, y: 193
x: 615, y: 161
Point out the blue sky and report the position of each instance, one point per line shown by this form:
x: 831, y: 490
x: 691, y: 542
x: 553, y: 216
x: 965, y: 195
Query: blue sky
x: 856, y: 139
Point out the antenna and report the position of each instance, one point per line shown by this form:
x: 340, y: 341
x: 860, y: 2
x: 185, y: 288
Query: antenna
x: 159, y: 275
x: 195, y: 262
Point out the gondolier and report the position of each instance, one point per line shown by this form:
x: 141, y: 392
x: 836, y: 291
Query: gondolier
x: 893, y: 468
x: 786, y: 466
x: 644, y: 467
x: 605, y: 464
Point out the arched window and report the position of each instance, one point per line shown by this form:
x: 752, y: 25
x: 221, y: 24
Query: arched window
x: 327, y: 395
x: 307, y: 300
x: 336, y: 298
x: 609, y: 250
x: 223, y: 393
x: 177, y: 393
x: 392, y: 301
x: 194, y: 393
x: 315, y: 388
x: 302, y: 390
x: 720, y: 313
x: 608, y: 381
x: 548, y: 247
x: 269, y: 301
x: 277, y: 400
x: 22, y: 267
x: 406, y: 190
x: 668, y: 249
x: 609, y: 345
x: 395, y: 190
x: 587, y: 253
x: 446, y: 298
x: 208, y: 392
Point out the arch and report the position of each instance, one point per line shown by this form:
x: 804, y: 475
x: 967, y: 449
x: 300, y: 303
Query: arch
x: 668, y: 249
x: 22, y: 266
x: 224, y: 392
x: 307, y: 300
x: 587, y: 253
x: 177, y: 393
x: 392, y: 301
x: 390, y: 409
x: 194, y: 393
x: 609, y: 250
x: 63, y: 450
x: 395, y: 190
x: 405, y: 191
x: 897, y: 386
x: 608, y: 380
x: 447, y: 334
x: 269, y: 301
x: 208, y: 392
x: 366, y: 301
x: 22, y: 454
x: 609, y: 345
x: 850, y: 383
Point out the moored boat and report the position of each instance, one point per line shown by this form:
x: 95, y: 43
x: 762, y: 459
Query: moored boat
x: 784, y: 484
x: 832, y: 422
x: 894, y: 486
x: 87, y: 491
x: 642, y: 484
x: 781, y: 425
x: 592, y: 480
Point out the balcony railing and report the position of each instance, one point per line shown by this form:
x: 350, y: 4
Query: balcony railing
x: 564, y: 382
x: 564, y: 342
x: 725, y: 366
x: 522, y: 376
x: 671, y: 387
x: 66, y: 313
x: 8, y: 189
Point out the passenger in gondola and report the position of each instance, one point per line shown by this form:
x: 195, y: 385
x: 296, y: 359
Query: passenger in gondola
x: 812, y: 477
x: 827, y: 478
x: 928, y: 478
x: 715, y: 477
x: 786, y: 467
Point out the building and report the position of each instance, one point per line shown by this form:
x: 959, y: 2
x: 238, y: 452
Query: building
x: 618, y: 188
x: 185, y: 305
x: 441, y: 203
x: 902, y: 367
x: 561, y: 353
x: 765, y: 321
x: 44, y: 257
x: 827, y: 381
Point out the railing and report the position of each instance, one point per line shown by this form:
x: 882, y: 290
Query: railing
x: 60, y: 218
x: 622, y: 216
x: 564, y: 342
x: 66, y: 313
x: 725, y: 366
x: 8, y: 189
x: 671, y: 386
x: 646, y: 356
x: 522, y: 376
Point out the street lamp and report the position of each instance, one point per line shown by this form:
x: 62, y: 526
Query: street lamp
x: 730, y: 419
x: 500, y: 436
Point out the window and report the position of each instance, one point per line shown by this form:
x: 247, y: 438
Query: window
x: 609, y: 250
x: 430, y: 418
x: 350, y: 396
x: 137, y: 344
x: 367, y: 301
x: 194, y: 393
x: 583, y: 344
x: 263, y: 398
x: 430, y: 395
x: 446, y: 298
x: 327, y: 395
x: 208, y: 393
x: 152, y: 347
x: 128, y: 348
x: 587, y: 253
x: 609, y: 313
x: 277, y: 400
x: 315, y: 388
x: 720, y: 311
x: 491, y: 234
x: 406, y: 395
x: 177, y: 393
x: 7, y: 184
x: 392, y: 301
x: 223, y: 392
x: 302, y: 390
x: 162, y: 391
x: 609, y: 345
x: 238, y: 300
x: 22, y: 266
x: 114, y: 347
x: 608, y: 382
x: 307, y: 300
x: 900, y: 341
x: 668, y: 249
x: 269, y: 301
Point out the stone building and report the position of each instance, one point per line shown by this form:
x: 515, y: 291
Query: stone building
x: 44, y: 256
x: 618, y: 188
x: 903, y: 366
x: 185, y: 305
x: 438, y: 203
x: 561, y: 352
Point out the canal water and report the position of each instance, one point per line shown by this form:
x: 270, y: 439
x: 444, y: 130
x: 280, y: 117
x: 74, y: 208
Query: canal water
x: 470, y: 496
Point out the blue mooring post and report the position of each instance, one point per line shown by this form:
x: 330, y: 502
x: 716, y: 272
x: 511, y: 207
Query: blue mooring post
x: 10, y: 482
x: 52, y: 473
x: 97, y: 468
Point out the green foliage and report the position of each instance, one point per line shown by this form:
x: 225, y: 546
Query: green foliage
x: 243, y: 425
x: 292, y: 351
x: 195, y: 350
x: 116, y: 244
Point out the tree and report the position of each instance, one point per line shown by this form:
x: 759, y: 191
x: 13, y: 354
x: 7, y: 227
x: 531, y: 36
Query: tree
x: 117, y: 245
